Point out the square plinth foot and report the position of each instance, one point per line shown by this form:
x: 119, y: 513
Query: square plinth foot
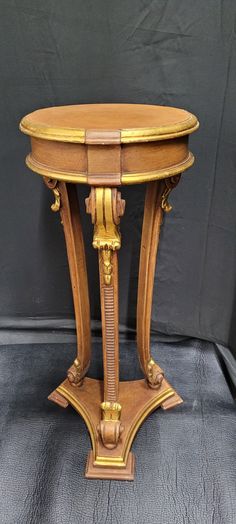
x: 110, y: 473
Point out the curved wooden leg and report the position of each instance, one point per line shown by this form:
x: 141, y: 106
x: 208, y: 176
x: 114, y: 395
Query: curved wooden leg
x: 155, y: 203
x: 66, y: 202
x: 106, y: 206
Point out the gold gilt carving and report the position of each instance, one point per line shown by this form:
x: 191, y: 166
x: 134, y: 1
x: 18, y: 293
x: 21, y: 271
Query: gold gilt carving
x: 57, y: 203
x: 52, y: 184
x: 74, y: 373
x: 164, y: 200
x: 155, y: 374
x: 170, y: 183
x: 107, y: 266
x: 106, y: 206
x: 111, y: 410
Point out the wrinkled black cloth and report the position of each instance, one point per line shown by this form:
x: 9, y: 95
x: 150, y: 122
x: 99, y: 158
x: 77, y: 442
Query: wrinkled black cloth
x: 185, y: 457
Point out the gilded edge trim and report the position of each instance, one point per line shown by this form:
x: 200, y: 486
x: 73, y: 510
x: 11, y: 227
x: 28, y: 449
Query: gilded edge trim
x: 115, y: 461
x: 158, y: 133
x: 126, y: 178
x: 148, y: 134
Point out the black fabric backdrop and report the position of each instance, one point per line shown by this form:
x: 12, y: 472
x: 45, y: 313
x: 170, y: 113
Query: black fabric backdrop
x: 180, y: 53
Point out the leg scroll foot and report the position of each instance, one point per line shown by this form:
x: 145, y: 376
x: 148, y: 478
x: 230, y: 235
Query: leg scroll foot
x: 110, y: 428
x: 110, y: 432
x: 74, y: 374
x: 155, y: 374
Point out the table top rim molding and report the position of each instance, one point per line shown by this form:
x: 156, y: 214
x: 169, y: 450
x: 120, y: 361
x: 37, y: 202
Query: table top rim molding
x: 37, y: 124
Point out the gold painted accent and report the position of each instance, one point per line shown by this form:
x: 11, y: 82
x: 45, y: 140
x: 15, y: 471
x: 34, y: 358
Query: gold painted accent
x: 148, y: 134
x: 105, y: 206
x: 52, y: 133
x: 119, y: 461
x: 52, y: 184
x: 150, y: 364
x: 77, y: 364
x: 106, y: 234
x: 170, y: 184
x: 160, y: 133
x: 57, y: 204
x: 107, y: 266
x: 111, y: 410
x: 164, y: 200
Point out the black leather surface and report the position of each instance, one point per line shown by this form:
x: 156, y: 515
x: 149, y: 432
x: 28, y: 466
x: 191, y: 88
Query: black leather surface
x: 185, y: 458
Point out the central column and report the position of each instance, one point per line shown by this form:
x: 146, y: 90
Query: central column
x: 106, y: 206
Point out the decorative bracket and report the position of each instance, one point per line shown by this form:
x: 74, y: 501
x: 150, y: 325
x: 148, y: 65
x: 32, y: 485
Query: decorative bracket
x: 52, y: 184
x: 106, y: 207
x: 170, y: 184
x: 57, y: 204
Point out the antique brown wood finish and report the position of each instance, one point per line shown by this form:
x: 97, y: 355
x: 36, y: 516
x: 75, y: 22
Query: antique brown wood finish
x: 67, y: 203
x: 156, y: 204
x: 107, y: 146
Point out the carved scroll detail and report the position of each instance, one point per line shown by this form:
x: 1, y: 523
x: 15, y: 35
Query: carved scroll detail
x: 155, y: 374
x: 105, y: 206
x: 110, y: 427
x: 170, y: 184
x: 52, y: 184
x: 57, y: 204
x: 74, y: 373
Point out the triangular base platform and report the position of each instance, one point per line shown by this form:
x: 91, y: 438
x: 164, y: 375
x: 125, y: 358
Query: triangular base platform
x: 137, y: 399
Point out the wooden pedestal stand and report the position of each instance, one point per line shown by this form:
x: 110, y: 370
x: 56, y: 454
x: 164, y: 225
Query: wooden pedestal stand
x: 112, y: 411
x: 123, y: 405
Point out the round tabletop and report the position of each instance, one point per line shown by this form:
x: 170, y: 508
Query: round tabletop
x: 109, y: 144
x: 134, y: 122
